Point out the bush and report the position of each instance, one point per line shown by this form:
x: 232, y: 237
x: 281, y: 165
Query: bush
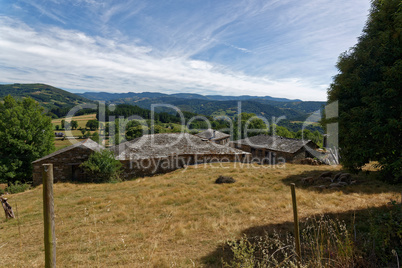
x: 102, y: 167
x: 17, y: 187
x: 383, y: 239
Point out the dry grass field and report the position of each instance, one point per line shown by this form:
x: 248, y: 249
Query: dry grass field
x: 59, y: 143
x: 179, y: 219
x: 81, y: 119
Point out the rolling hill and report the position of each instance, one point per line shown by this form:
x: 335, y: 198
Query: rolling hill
x: 47, y: 96
x: 136, y: 96
x: 58, y: 101
x: 211, y: 105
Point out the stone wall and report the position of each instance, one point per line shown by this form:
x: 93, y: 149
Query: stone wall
x: 65, y: 165
x: 152, y: 166
x: 265, y: 156
x: 222, y: 141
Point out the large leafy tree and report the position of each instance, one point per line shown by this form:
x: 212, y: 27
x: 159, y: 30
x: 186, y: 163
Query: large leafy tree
x: 368, y: 88
x: 26, y: 134
x: 74, y: 124
x: 250, y: 125
x: 92, y: 124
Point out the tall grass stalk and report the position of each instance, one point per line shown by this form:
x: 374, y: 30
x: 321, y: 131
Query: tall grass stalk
x: 324, y: 242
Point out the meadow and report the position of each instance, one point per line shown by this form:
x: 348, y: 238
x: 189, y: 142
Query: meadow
x: 81, y: 119
x: 179, y: 219
x: 60, y: 143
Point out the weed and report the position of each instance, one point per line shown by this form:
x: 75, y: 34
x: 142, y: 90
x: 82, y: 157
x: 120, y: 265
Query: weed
x: 326, y: 242
x: 17, y: 187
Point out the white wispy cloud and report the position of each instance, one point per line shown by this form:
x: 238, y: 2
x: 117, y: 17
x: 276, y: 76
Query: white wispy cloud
x: 45, y: 11
x: 283, y: 48
x: 72, y: 59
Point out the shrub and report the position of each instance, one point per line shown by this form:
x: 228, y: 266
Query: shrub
x: 384, y: 235
x: 243, y: 254
x: 102, y: 167
x: 17, y: 187
x: 263, y: 251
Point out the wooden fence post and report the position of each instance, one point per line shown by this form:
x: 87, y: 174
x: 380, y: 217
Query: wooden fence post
x: 296, y: 222
x: 48, y: 216
x: 7, y: 208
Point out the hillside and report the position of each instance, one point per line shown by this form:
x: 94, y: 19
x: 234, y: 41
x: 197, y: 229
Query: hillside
x: 135, y: 96
x: 214, y: 104
x: 179, y: 219
x: 47, y: 96
x: 58, y: 102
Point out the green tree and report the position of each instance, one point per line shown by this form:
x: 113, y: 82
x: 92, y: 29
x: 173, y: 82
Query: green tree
x: 57, y: 127
x: 102, y: 166
x: 306, y: 134
x: 92, y: 124
x: 368, y: 88
x: 283, y: 132
x: 26, y: 134
x: 74, y: 124
x: 250, y: 125
x: 62, y: 123
x: 95, y: 137
x: 135, y: 132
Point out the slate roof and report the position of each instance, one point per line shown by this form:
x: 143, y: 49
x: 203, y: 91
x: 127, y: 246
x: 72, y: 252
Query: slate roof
x: 88, y: 143
x: 168, y: 144
x: 212, y: 134
x: 276, y: 143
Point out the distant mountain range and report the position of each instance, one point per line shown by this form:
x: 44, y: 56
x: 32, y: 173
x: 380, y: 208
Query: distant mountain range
x: 214, y: 104
x: 210, y: 105
x: 105, y: 96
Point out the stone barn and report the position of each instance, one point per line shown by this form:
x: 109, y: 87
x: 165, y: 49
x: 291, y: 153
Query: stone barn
x: 66, y: 162
x: 268, y: 149
x: 214, y: 136
x: 160, y: 153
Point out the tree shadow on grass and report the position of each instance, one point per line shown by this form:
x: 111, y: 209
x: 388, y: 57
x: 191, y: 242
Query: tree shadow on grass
x: 358, y: 226
x: 366, y: 183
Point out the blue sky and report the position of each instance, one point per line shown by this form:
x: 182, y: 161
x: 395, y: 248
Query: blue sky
x: 285, y: 48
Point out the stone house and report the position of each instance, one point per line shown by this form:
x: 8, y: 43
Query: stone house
x: 269, y: 149
x: 214, y: 136
x: 147, y: 155
x: 160, y: 153
x: 66, y: 162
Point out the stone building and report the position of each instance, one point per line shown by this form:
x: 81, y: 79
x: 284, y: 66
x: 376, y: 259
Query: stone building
x: 270, y: 149
x: 66, y: 162
x: 214, y: 136
x: 147, y: 155
x: 160, y: 153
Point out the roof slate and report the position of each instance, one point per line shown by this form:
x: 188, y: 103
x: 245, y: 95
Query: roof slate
x: 88, y: 143
x: 168, y: 144
x: 275, y: 143
x: 212, y: 134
